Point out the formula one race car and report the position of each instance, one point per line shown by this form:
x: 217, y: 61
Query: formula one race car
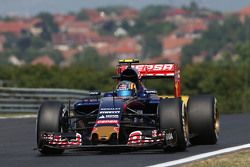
x: 131, y: 117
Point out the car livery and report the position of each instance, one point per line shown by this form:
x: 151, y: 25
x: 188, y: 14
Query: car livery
x: 137, y: 118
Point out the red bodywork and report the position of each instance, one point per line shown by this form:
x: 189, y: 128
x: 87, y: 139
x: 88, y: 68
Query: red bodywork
x: 156, y: 71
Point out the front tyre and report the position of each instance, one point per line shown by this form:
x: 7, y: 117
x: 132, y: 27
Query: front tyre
x: 173, y: 116
x: 49, y: 119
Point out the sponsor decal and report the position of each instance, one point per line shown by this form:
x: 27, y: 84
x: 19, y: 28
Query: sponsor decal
x: 151, y: 91
x: 90, y: 100
x: 123, y: 86
x: 95, y: 93
x: 169, y: 136
x: 107, y: 122
x: 109, y: 116
x: 109, y: 112
x: 102, y: 117
x: 135, y: 138
x: 141, y: 138
x: 108, y: 109
x: 140, y: 112
x: 152, y: 67
x: 112, y: 116
x: 154, y: 133
x: 64, y: 141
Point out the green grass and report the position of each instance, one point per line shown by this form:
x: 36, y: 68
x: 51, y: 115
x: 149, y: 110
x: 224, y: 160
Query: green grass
x: 238, y: 159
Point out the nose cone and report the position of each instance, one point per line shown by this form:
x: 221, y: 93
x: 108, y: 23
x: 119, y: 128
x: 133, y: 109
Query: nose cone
x: 104, y: 133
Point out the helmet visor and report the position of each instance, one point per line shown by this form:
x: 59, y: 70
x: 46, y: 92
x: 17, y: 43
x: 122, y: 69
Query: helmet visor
x: 124, y: 93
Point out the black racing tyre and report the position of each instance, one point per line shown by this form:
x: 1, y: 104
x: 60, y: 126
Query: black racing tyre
x: 49, y: 120
x: 203, y: 119
x: 173, y: 115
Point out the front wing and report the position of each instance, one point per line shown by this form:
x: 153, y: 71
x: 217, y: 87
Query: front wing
x: 137, y: 140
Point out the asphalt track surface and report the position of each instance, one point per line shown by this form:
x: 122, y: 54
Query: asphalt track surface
x: 17, y: 143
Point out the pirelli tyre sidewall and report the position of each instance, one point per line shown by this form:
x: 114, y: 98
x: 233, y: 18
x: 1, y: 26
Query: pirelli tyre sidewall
x: 203, y: 119
x: 172, y: 115
x: 49, y: 120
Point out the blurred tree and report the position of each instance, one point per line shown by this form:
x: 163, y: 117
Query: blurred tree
x: 48, y: 20
x: 11, y: 40
x: 144, y: 28
x: 193, y: 6
x: 3, y: 60
x: 48, y: 25
x: 82, y: 15
x: 30, y: 54
x: 152, y: 47
x: 232, y: 93
x: 216, y: 37
x: 108, y: 28
x: 23, y: 43
x: 244, y: 61
x: 91, y: 59
x: 153, y: 12
x: 38, y: 42
x: 112, y: 9
x: 243, y: 50
x: 55, y: 55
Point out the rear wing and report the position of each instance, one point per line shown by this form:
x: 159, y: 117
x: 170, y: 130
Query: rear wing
x: 168, y: 70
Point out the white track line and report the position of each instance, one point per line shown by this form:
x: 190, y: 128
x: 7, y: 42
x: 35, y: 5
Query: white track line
x: 18, y: 116
x: 201, y: 156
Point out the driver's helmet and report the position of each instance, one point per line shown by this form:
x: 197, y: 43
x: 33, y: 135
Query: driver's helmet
x: 125, y: 89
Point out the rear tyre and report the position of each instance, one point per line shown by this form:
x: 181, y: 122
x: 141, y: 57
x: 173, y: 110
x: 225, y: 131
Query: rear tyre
x: 203, y: 119
x: 49, y: 119
x: 172, y: 115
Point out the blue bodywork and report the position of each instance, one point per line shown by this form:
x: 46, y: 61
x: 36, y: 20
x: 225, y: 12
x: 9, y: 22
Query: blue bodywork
x: 89, y: 104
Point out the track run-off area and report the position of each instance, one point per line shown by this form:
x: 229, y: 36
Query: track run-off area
x: 17, y: 143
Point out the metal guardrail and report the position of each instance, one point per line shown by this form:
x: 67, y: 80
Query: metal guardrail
x: 28, y: 100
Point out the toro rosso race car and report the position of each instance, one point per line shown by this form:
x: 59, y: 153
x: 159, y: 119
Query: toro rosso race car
x: 131, y: 117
